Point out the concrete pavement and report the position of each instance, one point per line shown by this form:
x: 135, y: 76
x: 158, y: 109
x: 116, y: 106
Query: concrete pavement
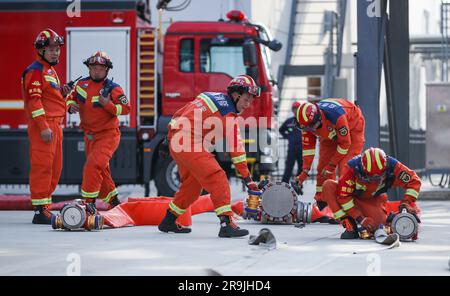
x: 316, y: 249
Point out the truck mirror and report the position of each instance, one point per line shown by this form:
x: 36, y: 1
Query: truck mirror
x: 274, y: 45
x: 249, y: 52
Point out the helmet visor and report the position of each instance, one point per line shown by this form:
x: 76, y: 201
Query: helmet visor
x: 373, y: 178
x: 312, y: 126
x: 309, y: 128
x: 97, y: 60
x: 57, y: 40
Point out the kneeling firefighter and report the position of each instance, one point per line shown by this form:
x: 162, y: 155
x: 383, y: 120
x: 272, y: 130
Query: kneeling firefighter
x: 359, y: 197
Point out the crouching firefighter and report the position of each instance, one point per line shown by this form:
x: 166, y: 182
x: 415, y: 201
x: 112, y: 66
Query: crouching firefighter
x: 196, y: 164
x: 338, y: 124
x: 99, y: 101
x: 359, y: 197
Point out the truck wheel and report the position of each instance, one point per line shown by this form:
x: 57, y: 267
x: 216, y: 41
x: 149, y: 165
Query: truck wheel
x: 167, y: 179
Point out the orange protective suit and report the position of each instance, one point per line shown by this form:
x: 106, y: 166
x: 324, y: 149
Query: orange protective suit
x: 341, y: 137
x: 102, y: 135
x: 353, y: 196
x: 197, y: 166
x: 45, y: 108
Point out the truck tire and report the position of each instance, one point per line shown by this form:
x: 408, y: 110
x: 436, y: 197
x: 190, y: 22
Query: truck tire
x: 167, y: 179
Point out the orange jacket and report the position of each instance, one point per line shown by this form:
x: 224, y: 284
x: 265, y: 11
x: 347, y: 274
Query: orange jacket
x: 340, y: 118
x: 95, y: 117
x: 211, y: 108
x: 42, y: 93
x: 352, y: 185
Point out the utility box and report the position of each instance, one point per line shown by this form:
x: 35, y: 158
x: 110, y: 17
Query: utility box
x: 438, y: 128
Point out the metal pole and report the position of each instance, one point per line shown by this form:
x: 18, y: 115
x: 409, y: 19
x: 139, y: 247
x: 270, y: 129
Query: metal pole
x: 369, y: 63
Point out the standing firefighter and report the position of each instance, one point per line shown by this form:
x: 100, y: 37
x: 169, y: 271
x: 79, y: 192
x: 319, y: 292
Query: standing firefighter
x: 100, y: 101
x: 45, y: 108
x: 339, y: 124
x: 197, y: 167
x: 360, y: 195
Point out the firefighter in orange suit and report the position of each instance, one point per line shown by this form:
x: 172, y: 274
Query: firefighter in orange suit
x: 359, y: 197
x: 198, y: 168
x: 339, y: 124
x: 45, y: 108
x: 99, y: 101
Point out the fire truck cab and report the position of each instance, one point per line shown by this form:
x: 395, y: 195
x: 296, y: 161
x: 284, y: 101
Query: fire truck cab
x: 159, y: 74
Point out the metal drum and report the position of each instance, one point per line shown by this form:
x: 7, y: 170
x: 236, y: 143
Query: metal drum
x: 406, y: 226
x: 304, y: 212
x: 75, y: 216
x: 278, y: 203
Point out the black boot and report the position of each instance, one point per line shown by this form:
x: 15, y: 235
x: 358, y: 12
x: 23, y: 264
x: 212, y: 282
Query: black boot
x: 42, y: 215
x: 168, y: 224
x: 351, y: 228
x: 114, y: 202
x: 229, y: 229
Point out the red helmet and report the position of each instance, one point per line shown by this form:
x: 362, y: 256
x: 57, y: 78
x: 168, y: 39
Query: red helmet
x: 46, y: 38
x: 99, y: 58
x: 295, y: 105
x: 373, y: 162
x: 307, y: 114
x: 243, y: 84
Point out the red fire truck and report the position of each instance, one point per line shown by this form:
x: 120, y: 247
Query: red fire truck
x: 159, y: 76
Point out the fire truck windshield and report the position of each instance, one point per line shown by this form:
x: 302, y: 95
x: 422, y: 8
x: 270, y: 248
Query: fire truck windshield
x: 222, y: 58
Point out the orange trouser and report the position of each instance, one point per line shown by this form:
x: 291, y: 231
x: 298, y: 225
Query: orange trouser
x: 45, y: 161
x: 373, y: 207
x: 327, y: 150
x: 201, y: 170
x: 97, y: 180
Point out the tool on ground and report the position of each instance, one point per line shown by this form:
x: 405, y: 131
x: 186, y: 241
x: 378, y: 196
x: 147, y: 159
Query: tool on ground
x: 77, y: 215
x: 406, y: 225
x: 264, y: 238
x: 278, y: 203
x: 382, y: 236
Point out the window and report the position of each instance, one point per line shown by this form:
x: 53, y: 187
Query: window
x: 187, y: 55
x: 222, y: 58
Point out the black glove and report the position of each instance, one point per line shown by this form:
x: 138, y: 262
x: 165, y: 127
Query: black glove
x: 164, y: 148
x: 263, y: 183
x: 107, y: 88
x: 298, y: 188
